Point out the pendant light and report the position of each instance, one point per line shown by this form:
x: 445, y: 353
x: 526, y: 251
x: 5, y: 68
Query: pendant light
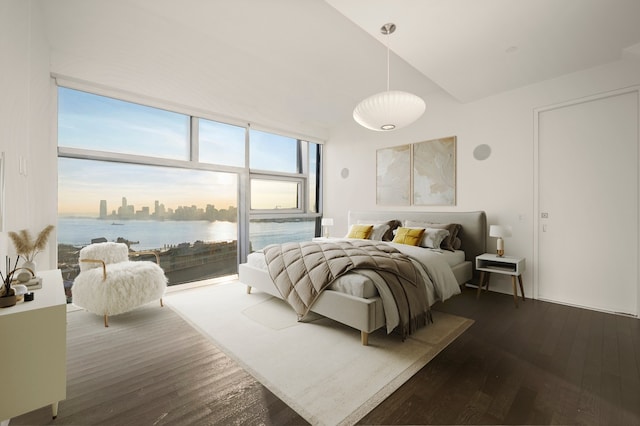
x: 388, y: 110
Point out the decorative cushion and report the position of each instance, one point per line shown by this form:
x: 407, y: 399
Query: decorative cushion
x: 388, y: 234
x: 393, y: 225
x: 378, y: 231
x: 360, y: 231
x: 433, y: 238
x: 453, y: 228
x: 457, y: 243
x: 409, y: 236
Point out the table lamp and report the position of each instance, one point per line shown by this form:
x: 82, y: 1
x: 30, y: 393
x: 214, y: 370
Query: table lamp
x: 500, y: 232
x: 326, y: 223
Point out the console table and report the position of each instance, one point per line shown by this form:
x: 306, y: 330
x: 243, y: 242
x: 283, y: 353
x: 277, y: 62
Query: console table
x: 33, y: 338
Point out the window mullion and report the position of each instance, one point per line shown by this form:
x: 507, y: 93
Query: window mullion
x: 195, y: 140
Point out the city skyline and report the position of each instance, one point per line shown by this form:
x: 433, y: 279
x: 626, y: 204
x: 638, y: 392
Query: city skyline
x: 83, y: 183
x: 126, y: 211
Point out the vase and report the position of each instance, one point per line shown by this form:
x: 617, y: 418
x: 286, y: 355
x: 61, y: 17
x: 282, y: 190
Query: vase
x: 30, y: 265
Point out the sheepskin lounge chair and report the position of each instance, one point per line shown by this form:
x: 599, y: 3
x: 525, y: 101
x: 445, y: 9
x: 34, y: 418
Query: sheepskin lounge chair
x: 111, y: 284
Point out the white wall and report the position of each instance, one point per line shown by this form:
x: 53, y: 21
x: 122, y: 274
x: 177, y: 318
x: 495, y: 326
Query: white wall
x: 25, y: 120
x: 502, y: 185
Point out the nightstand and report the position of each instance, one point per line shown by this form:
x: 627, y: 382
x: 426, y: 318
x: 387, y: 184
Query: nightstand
x: 491, y: 263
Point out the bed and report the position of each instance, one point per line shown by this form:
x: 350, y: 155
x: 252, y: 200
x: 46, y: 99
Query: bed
x: 366, y: 312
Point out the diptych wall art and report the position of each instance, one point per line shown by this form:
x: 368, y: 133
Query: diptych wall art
x: 422, y: 173
x: 434, y: 172
x: 393, y: 176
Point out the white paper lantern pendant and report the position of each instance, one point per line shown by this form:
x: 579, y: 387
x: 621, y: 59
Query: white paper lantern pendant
x: 388, y: 110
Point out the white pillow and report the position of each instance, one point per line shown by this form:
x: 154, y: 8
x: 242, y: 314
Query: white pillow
x: 433, y: 237
x: 379, y: 229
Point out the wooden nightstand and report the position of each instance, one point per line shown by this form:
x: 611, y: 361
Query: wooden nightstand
x: 491, y: 263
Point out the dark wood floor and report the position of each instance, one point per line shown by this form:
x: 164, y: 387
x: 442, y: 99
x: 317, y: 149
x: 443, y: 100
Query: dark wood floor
x: 542, y: 363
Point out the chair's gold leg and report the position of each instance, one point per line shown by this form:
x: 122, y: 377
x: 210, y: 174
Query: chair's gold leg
x: 106, y: 320
x: 248, y: 289
x: 161, y: 304
x: 364, y: 336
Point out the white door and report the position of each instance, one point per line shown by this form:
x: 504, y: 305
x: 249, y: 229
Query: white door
x: 588, y: 203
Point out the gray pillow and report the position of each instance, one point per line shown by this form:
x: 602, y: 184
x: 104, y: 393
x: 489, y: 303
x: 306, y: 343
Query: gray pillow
x: 453, y: 228
x: 393, y: 225
x: 457, y: 243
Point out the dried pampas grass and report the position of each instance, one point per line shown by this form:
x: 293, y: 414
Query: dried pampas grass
x: 26, y: 246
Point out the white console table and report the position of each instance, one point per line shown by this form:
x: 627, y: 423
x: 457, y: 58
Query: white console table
x: 33, y: 338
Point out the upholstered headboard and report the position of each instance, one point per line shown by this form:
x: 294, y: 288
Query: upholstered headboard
x: 473, y: 234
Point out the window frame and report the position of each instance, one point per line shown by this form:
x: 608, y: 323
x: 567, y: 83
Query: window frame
x: 244, y: 173
x: 300, y: 193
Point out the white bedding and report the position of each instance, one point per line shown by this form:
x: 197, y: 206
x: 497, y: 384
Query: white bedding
x: 431, y: 263
x: 356, y: 283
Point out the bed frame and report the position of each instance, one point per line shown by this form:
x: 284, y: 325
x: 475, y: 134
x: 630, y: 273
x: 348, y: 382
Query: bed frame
x: 367, y: 315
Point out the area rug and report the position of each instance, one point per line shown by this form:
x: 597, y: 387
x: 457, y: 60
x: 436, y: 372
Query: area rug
x: 318, y: 367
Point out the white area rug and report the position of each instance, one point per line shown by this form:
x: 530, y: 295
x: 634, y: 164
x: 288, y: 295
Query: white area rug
x: 319, y: 368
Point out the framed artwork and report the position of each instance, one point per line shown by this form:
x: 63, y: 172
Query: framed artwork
x: 434, y: 172
x: 393, y: 176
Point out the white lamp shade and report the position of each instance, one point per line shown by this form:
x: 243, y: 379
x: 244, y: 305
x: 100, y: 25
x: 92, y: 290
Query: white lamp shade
x: 499, y: 231
x: 389, y: 110
x: 326, y: 221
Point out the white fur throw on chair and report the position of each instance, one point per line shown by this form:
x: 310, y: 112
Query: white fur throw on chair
x: 128, y: 284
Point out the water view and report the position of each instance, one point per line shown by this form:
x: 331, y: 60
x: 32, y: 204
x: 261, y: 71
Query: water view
x: 144, y: 234
x: 189, y: 250
x: 152, y: 234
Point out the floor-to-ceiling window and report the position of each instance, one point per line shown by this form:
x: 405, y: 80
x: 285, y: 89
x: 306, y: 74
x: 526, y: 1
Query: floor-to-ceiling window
x: 195, y: 189
x: 281, y: 168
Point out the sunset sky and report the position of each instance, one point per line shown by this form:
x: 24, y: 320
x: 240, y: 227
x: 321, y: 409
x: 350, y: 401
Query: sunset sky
x: 83, y: 183
x: 99, y: 123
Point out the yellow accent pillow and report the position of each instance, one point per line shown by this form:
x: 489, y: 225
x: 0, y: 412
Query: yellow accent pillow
x: 360, y: 231
x: 409, y: 236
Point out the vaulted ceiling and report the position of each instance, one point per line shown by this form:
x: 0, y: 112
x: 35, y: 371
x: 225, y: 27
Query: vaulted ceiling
x: 306, y: 63
x: 477, y: 48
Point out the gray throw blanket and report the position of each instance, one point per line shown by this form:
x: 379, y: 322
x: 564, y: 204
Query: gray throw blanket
x: 301, y: 271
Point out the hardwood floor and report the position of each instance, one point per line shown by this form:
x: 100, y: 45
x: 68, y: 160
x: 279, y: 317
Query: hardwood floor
x: 542, y: 363
x: 156, y: 370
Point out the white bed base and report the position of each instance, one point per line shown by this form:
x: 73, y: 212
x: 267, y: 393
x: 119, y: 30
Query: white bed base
x: 367, y: 315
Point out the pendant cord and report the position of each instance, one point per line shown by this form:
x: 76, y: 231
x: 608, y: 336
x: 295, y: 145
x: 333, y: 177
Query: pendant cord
x: 388, y: 29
